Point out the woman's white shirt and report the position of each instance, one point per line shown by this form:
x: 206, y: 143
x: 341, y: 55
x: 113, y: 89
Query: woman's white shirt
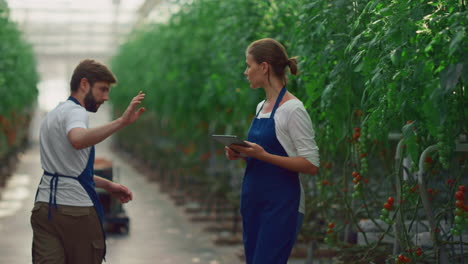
x: 295, y: 133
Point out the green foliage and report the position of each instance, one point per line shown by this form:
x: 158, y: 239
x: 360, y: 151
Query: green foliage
x: 18, y: 79
x: 18, y: 75
x: 192, y: 65
x: 368, y: 68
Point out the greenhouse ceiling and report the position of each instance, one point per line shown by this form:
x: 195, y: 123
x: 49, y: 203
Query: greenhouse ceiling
x: 86, y: 27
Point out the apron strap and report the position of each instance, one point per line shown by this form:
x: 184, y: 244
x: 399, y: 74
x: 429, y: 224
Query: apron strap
x: 53, y: 189
x: 73, y: 99
x: 278, y: 100
x: 260, y: 109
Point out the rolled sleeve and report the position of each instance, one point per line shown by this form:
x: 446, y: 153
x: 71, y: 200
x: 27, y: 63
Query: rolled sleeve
x: 303, y: 136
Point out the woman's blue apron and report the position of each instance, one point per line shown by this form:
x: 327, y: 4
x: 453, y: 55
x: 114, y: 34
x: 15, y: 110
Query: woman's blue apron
x: 86, y: 179
x: 270, y: 198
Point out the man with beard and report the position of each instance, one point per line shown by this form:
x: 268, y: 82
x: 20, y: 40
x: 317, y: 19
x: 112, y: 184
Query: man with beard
x: 67, y: 215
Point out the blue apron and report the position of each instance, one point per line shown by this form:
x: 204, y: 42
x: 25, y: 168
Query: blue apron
x: 270, y: 198
x: 86, y: 179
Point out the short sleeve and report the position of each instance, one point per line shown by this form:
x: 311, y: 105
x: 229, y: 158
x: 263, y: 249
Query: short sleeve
x: 302, y: 134
x: 77, y: 117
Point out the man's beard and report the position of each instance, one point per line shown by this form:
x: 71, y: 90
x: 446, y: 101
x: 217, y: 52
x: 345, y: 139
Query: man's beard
x: 91, y: 105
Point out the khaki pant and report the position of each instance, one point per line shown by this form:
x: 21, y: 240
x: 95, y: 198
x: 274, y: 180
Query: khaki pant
x: 72, y: 236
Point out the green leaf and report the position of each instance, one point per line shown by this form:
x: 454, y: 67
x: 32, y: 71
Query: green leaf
x: 459, y: 37
x: 394, y: 57
x: 450, y: 76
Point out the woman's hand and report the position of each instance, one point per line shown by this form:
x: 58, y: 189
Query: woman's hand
x: 231, y: 154
x: 297, y: 164
x: 255, y: 151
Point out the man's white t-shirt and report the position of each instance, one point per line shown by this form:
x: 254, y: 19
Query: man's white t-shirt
x: 295, y: 133
x: 59, y: 156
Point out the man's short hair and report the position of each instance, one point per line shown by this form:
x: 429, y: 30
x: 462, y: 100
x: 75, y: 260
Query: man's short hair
x: 93, y: 71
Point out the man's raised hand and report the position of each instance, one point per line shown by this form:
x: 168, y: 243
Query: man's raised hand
x: 131, y: 115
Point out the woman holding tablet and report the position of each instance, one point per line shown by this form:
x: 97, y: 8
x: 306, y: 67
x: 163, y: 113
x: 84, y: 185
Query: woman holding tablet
x: 282, y: 145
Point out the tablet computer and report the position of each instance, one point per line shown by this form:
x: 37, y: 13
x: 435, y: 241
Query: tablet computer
x: 228, y: 140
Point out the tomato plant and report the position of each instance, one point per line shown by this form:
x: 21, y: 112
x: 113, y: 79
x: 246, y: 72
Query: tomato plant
x: 369, y: 70
x: 18, y: 80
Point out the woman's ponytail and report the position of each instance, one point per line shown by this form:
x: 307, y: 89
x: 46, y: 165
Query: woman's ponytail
x: 292, y: 63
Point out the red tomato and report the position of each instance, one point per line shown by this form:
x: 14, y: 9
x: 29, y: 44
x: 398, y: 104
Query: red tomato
x: 429, y: 160
x: 419, y: 252
x: 401, y: 258
x: 356, y: 135
x: 459, y: 195
x: 387, y: 206
x: 451, y: 182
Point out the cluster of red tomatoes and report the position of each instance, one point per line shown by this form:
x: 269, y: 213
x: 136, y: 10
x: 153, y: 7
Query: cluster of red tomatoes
x: 329, y: 238
x: 385, y: 213
x: 415, y: 253
x: 402, y: 259
x: 410, y: 193
x: 461, y: 212
x: 358, y: 185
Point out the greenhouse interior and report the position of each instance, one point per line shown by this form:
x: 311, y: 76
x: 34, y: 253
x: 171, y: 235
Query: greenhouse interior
x: 108, y: 111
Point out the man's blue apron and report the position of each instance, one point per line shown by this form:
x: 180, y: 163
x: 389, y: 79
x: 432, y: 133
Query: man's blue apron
x: 270, y: 198
x: 86, y: 179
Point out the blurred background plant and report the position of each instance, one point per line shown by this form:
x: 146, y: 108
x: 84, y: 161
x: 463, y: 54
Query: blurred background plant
x: 18, y: 81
